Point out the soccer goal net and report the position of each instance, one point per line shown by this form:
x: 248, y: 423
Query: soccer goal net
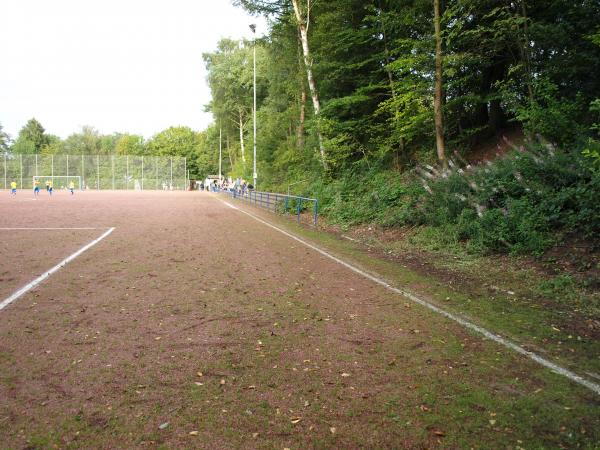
x: 57, y: 181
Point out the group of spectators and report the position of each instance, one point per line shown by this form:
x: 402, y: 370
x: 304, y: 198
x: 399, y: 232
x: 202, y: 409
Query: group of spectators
x: 238, y: 185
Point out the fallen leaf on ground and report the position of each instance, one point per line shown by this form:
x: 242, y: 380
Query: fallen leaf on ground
x: 439, y: 433
x: 254, y: 435
x: 295, y: 420
x: 345, y: 375
x: 200, y: 374
x: 193, y: 433
x: 222, y: 382
x: 333, y: 430
x: 162, y: 426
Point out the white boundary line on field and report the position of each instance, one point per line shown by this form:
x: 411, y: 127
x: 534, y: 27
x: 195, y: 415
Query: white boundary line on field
x: 48, y: 228
x: 465, y: 323
x: 57, y: 267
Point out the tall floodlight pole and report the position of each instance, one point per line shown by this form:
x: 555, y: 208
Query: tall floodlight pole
x: 220, y: 152
x: 253, y: 28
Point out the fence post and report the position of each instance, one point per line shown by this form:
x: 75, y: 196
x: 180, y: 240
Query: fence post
x: 52, y: 169
x: 142, y: 172
x: 156, y: 172
x: 5, y: 171
x: 21, y: 170
x: 67, y: 168
x: 36, y: 165
x: 127, y: 172
x: 112, y: 164
x: 97, y: 172
x: 286, y: 203
x: 299, y: 208
x: 82, y: 171
x: 171, y: 186
x: 316, y: 211
x: 185, y: 175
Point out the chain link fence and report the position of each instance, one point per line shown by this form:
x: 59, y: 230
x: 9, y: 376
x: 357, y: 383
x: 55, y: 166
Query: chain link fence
x: 96, y: 171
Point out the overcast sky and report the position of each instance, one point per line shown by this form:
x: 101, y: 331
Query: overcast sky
x: 119, y: 65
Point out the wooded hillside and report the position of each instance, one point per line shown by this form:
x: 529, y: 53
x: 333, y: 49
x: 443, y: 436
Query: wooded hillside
x: 378, y: 105
x: 347, y: 84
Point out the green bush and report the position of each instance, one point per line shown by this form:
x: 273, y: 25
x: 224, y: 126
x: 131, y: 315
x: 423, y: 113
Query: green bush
x: 521, y: 204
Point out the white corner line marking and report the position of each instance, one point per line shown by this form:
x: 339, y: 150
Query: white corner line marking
x: 465, y: 323
x: 45, y: 275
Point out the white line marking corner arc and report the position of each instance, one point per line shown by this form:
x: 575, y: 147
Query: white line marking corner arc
x: 57, y: 267
x: 465, y: 323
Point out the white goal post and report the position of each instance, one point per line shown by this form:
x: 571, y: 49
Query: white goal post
x: 58, y: 181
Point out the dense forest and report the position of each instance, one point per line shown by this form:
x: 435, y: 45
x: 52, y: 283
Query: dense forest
x: 345, y: 85
x: 379, y: 104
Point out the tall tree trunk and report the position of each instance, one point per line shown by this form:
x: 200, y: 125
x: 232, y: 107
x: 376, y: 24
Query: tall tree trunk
x: 303, y: 25
x: 241, y: 127
x: 300, y: 130
x: 231, y: 157
x: 302, y: 106
x: 437, y: 102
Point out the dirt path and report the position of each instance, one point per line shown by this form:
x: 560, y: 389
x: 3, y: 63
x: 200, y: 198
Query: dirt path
x: 294, y: 350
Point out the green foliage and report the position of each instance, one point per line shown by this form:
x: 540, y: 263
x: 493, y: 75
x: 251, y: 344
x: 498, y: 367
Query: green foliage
x: 383, y: 197
x: 521, y: 204
x: 182, y: 141
x: 562, y: 286
x: 86, y: 142
x: 548, y: 115
x: 130, y: 144
x: 591, y: 153
x: 4, y: 141
x: 534, y: 63
x: 230, y: 77
x: 595, y: 110
x: 31, y: 139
